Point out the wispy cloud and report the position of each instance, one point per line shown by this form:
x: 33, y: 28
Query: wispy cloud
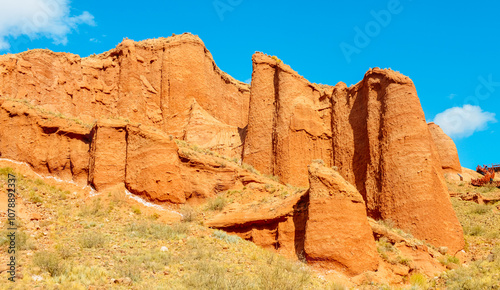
x: 462, y: 122
x: 39, y: 18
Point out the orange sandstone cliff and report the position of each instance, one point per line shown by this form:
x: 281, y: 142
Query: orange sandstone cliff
x: 159, y: 90
x: 447, y: 150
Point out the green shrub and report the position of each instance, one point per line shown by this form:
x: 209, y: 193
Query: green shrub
x: 189, y: 214
x: 217, y: 204
x: 92, y: 239
x: 49, y: 262
x: 230, y: 239
x: 480, y: 209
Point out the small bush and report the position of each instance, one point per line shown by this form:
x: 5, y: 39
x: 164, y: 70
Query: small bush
x: 419, y: 280
x: 92, y: 239
x: 136, y: 210
x: 474, y: 231
x: 189, y: 214
x: 64, y: 251
x: 480, y: 209
x: 230, y: 239
x: 217, y: 204
x: 49, y: 262
x: 34, y: 197
x: 93, y: 210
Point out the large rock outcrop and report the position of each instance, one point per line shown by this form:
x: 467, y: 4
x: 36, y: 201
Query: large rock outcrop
x: 326, y: 225
x: 337, y: 232
x: 111, y: 153
x: 447, y: 149
x: 153, y: 82
x: 289, y: 122
x: 374, y: 132
x: 383, y: 146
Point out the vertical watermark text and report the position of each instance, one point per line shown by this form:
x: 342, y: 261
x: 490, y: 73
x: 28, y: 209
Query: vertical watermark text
x: 11, y: 226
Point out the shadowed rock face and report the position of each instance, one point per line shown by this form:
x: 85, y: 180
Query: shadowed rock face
x: 374, y: 132
x: 327, y: 224
x: 447, y: 150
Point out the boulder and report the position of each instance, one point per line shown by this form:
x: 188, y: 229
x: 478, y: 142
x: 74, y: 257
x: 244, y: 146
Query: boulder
x: 337, y: 231
x: 153, y: 166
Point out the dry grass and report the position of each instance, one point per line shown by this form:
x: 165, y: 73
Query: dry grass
x: 102, y: 241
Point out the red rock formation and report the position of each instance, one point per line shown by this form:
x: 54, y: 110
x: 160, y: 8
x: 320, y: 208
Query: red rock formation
x: 278, y: 226
x: 51, y: 145
x: 337, y: 231
x: 447, y: 150
x: 374, y: 131
x: 153, y: 82
x: 145, y: 160
x: 289, y: 122
x: 153, y: 166
x: 108, y: 154
x: 383, y: 146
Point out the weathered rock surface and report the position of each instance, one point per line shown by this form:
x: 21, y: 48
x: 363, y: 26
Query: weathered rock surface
x: 327, y: 224
x: 278, y: 226
x: 153, y: 82
x: 447, y: 150
x: 289, y: 122
x: 374, y: 132
x: 337, y: 231
x: 108, y: 154
x: 383, y: 146
x: 145, y: 160
x: 50, y: 145
x: 153, y: 166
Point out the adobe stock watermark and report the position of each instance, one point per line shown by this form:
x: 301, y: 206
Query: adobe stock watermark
x: 486, y: 87
x: 364, y: 35
x: 223, y: 6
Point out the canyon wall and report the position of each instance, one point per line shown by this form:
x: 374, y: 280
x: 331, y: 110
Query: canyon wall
x: 373, y: 132
x: 154, y: 82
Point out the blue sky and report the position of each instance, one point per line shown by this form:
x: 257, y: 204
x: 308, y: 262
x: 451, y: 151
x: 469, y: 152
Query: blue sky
x: 449, y: 49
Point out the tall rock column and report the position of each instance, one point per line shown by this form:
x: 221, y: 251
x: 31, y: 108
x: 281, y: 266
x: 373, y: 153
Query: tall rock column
x: 383, y: 146
x: 289, y: 122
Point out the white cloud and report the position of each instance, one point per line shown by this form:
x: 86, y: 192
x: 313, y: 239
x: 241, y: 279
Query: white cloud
x: 36, y: 18
x: 461, y: 122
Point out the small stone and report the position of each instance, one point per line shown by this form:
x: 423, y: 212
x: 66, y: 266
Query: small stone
x: 35, y: 217
x: 127, y: 281
x: 443, y: 250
